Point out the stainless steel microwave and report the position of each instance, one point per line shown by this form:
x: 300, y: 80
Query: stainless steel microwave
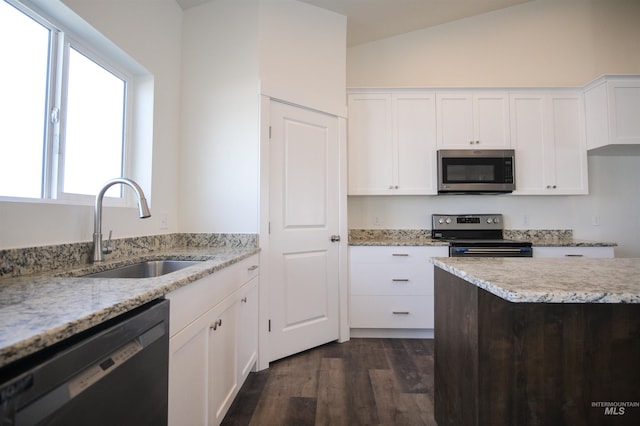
x: 467, y: 171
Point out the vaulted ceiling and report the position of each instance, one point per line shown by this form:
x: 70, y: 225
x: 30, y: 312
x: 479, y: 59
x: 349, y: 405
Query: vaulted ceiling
x: 370, y: 20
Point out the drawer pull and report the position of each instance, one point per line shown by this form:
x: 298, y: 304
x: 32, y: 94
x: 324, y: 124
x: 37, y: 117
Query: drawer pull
x: 400, y: 254
x: 404, y: 280
x: 400, y: 312
x: 253, y: 268
x: 574, y: 255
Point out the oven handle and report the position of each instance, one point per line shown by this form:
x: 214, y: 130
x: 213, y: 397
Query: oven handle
x: 487, y: 250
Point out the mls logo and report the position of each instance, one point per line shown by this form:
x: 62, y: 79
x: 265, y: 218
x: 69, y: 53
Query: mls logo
x: 614, y: 411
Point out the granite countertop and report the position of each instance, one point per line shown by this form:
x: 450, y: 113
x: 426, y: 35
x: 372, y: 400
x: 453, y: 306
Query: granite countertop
x: 39, y: 310
x: 531, y: 280
x: 421, y: 237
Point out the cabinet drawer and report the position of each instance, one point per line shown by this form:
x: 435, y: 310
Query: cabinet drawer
x: 382, y: 279
x: 401, y: 255
x: 568, y: 252
x: 392, y: 312
x: 193, y: 300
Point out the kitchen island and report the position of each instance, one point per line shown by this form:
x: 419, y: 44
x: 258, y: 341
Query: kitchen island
x: 537, y: 341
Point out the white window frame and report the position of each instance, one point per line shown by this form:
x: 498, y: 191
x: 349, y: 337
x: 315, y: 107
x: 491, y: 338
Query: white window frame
x: 62, y: 39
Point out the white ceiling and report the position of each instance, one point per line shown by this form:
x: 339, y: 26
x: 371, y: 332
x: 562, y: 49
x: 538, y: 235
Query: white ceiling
x: 370, y: 20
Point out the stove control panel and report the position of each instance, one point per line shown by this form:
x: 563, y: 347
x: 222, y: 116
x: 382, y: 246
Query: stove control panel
x: 466, y: 222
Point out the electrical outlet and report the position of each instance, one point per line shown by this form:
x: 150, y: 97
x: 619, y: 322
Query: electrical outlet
x: 164, y: 220
x: 377, y: 221
x: 595, y: 220
x: 525, y: 220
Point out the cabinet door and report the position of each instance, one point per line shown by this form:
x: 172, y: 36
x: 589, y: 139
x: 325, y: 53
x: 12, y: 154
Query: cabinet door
x: 612, y: 112
x: 491, y: 120
x: 188, y: 368
x: 528, y: 129
x: 547, y: 132
x: 624, y: 110
x: 414, y: 126
x: 471, y: 120
x: 370, y: 149
x: 222, y: 377
x: 567, y: 140
x: 455, y: 120
x: 247, y: 329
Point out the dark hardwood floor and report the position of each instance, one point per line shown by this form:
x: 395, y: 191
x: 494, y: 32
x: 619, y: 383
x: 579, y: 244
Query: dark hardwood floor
x: 360, y: 382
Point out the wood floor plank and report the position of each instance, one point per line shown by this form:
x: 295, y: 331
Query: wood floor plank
x: 359, y: 382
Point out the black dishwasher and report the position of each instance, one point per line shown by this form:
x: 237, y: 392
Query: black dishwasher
x: 113, y: 374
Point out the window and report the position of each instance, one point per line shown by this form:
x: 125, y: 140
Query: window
x: 64, y: 112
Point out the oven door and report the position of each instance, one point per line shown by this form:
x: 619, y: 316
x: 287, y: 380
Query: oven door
x: 465, y: 251
x: 471, y: 171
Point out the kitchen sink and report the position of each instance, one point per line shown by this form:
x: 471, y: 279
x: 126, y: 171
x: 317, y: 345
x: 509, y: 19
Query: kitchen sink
x: 147, y: 269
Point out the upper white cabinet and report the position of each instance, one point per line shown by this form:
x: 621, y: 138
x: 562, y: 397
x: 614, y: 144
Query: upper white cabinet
x: 474, y: 120
x: 392, y: 143
x: 547, y: 133
x: 613, y: 111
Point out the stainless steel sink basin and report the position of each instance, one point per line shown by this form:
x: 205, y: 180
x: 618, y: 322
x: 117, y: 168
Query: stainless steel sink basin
x: 147, y: 269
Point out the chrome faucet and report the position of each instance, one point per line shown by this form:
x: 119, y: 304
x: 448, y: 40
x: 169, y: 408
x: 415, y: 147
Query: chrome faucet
x: 143, y: 210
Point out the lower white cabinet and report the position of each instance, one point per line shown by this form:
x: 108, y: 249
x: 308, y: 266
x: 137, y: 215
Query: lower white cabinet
x: 574, y: 251
x: 213, y: 343
x: 247, y: 334
x: 392, y: 287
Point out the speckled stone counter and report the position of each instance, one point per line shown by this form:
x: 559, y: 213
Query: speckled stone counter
x: 39, y: 310
x: 393, y: 237
x: 422, y: 237
x: 551, y: 280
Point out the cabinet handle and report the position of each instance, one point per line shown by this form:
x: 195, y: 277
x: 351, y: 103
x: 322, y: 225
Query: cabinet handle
x: 400, y: 254
x: 400, y: 312
x: 253, y: 268
x: 215, y: 325
x: 400, y: 279
x: 390, y: 186
x: 243, y: 300
x: 574, y: 255
x: 551, y: 187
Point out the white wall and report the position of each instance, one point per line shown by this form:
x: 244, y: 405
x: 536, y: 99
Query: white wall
x: 220, y: 107
x: 303, y: 55
x: 539, y: 43
x: 233, y: 52
x: 150, y: 32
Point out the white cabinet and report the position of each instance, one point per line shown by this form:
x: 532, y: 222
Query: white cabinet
x: 474, y: 120
x: 574, y: 251
x: 222, y: 361
x: 547, y: 133
x: 213, y: 343
x: 391, y: 143
x: 392, y: 287
x: 247, y: 329
x: 612, y: 108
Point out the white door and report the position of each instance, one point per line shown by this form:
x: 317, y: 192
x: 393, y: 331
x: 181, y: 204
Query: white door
x: 303, y: 215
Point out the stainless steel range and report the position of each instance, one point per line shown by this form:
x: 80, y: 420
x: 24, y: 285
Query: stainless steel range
x: 477, y: 235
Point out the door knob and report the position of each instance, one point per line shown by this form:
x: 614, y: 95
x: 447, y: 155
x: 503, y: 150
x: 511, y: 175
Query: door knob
x: 335, y: 238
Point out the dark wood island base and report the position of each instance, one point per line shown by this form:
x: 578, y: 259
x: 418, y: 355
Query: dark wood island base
x: 504, y: 363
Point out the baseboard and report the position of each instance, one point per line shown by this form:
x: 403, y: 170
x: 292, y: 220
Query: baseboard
x: 392, y: 333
